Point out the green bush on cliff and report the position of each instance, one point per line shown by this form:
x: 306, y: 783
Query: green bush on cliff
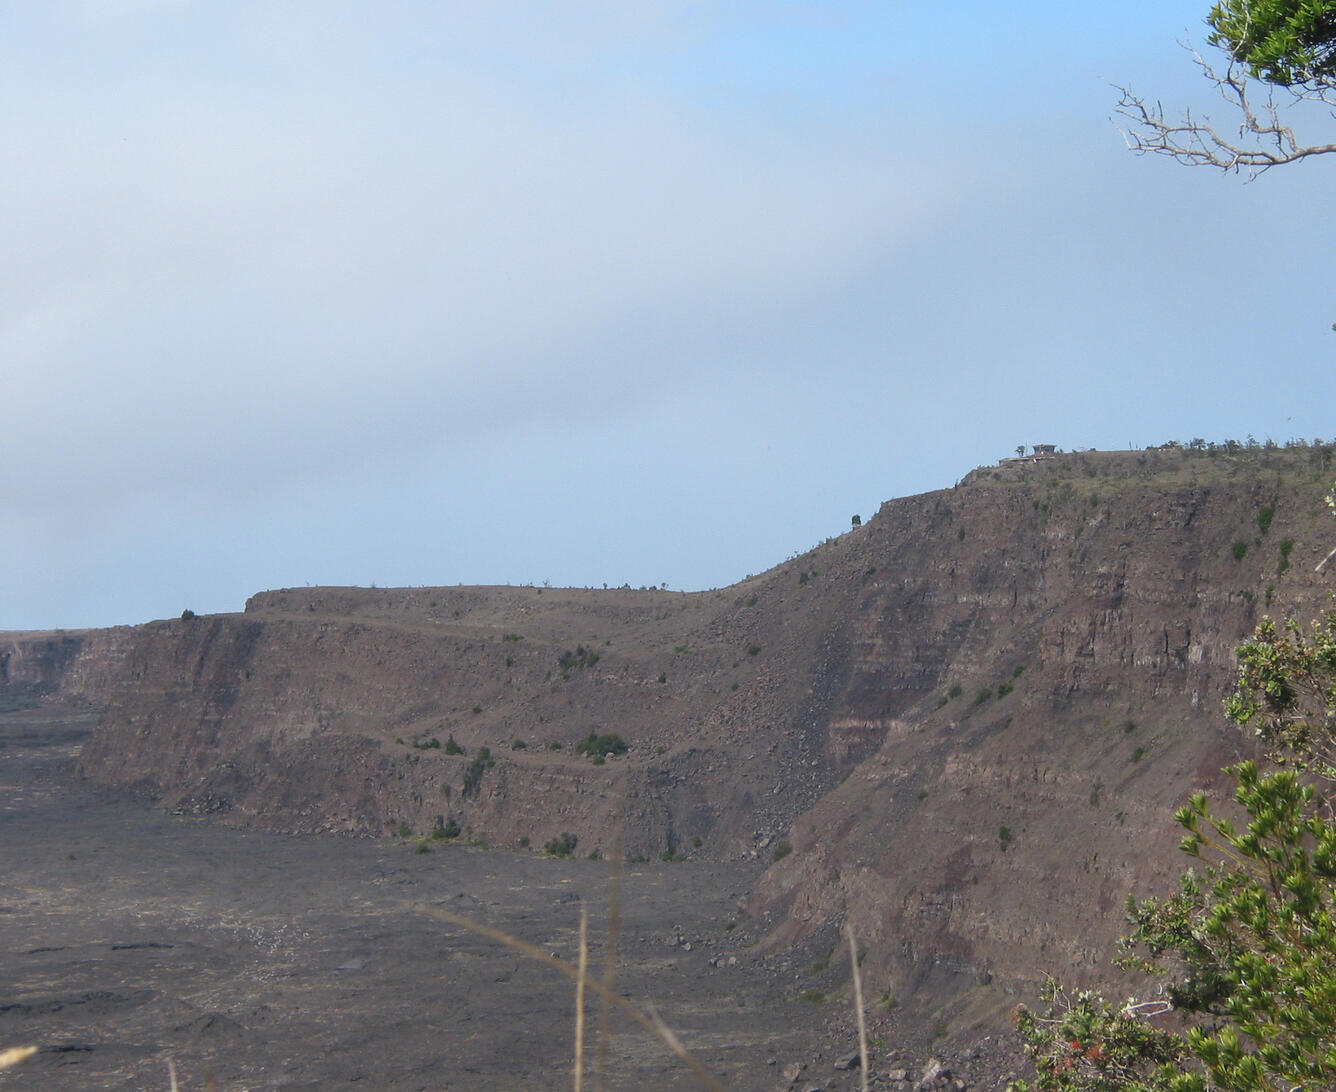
x: 561, y: 846
x: 598, y: 746
x: 473, y: 775
x: 444, y: 830
x: 581, y: 659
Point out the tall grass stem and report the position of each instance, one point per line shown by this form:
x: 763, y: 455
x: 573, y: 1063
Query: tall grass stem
x: 858, y: 1004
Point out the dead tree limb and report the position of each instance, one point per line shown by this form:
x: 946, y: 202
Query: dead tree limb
x: 1264, y: 139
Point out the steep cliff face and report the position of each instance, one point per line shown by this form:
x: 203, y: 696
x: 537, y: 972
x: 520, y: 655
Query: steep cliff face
x: 333, y: 710
x: 969, y: 718
x: 75, y: 668
x: 1039, y: 704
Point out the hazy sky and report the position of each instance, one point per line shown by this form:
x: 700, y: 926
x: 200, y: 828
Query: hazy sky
x: 596, y: 291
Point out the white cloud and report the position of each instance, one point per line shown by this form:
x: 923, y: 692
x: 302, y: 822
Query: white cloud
x: 252, y: 279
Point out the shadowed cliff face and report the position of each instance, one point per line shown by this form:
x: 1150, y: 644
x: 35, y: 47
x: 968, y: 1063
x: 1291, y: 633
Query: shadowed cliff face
x: 75, y: 668
x: 969, y: 718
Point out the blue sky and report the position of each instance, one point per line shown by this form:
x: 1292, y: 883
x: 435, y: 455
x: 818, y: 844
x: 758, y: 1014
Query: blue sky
x: 637, y: 292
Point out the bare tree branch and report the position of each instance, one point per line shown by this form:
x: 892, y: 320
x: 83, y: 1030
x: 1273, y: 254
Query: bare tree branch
x: 1264, y: 140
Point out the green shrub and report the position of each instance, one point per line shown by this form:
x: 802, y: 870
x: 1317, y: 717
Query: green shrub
x: 753, y: 650
x: 473, y: 775
x: 598, y: 747
x: 1264, y: 517
x: 1004, y: 689
x: 453, y: 748
x: 983, y: 695
x: 580, y: 659
x: 561, y: 846
x: 1238, y: 549
x: 954, y: 691
x: 782, y: 849
x: 1286, y: 545
x: 445, y: 829
x: 1003, y: 838
x: 187, y: 615
x: 512, y: 637
x: 519, y: 745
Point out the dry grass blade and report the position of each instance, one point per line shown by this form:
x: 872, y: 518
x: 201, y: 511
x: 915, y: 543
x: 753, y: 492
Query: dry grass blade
x: 610, y: 957
x: 667, y: 1034
x: 580, y: 998
x: 858, y: 1004
x: 171, y: 1074
x: 537, y: 954
x: 14, y: 1055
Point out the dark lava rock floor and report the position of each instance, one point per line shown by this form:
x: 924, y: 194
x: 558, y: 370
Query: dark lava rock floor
x: 129, y: 937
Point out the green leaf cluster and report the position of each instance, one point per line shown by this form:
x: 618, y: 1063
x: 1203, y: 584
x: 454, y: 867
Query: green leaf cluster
x: 1285, y: 42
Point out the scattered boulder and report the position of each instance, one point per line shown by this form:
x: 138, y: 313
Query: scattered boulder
x: 851, y: 1060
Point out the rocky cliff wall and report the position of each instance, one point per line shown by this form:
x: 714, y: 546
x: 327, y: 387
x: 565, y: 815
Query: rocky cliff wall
x: 73, y: 668
x: 1035, y: 706
x: 968, y: 720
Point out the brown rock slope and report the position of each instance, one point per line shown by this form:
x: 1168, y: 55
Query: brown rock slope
x: 969, y: 718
